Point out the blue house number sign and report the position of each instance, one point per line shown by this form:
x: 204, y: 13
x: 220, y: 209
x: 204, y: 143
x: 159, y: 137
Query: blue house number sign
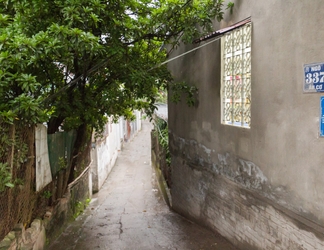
x: 321, y: 127
x: 314, y: 77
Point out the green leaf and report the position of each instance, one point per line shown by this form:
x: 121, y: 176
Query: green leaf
x: 10, y: 185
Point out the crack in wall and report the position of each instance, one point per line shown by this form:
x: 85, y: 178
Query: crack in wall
x: 120, y: 228
x: 121, y: 224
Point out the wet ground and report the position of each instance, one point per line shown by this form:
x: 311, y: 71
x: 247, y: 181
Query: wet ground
x: 129, y: 212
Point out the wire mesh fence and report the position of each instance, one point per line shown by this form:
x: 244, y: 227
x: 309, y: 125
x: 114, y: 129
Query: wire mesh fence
x: 19, y: 202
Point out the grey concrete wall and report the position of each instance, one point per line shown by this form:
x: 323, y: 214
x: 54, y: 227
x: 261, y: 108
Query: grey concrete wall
x: 159, y: 166
x: 43, y: 230
x: 279, y: 159
x: 32, y: 238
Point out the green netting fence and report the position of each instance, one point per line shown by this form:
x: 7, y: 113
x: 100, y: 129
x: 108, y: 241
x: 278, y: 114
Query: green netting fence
x: 60, y: 147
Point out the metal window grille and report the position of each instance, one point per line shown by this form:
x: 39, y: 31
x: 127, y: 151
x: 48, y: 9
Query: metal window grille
x: 236, y: 77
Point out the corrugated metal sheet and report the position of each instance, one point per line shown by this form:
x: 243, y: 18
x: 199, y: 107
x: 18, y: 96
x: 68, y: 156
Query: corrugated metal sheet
x: 223, y: 31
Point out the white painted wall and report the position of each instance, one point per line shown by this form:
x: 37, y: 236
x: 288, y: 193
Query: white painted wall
x: 104, y: 154
x: 138, y: 120
x: 105, y: 150
x: 43, y: 169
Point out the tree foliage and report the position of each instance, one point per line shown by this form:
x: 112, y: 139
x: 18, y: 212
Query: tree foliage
x: 73, y: 62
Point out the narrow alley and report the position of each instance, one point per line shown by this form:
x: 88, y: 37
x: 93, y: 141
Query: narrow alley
x: 130, y: 213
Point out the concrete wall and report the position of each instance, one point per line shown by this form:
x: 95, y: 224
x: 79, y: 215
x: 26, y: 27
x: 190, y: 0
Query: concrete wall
x: 277, y: 163
x: 160, y: 168
x: 105, y: 149
x: 104, y: 154
x: 43, y: 169
x: 31, y: 239
x: 43, y: 230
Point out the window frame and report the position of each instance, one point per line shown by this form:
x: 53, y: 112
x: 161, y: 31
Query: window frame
x: 236, y: 78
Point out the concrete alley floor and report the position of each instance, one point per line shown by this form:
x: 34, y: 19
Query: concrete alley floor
x: 129, y: 212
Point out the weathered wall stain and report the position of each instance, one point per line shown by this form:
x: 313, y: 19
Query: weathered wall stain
x: 233, y: 196
x: 239, y: 170
x: 243, y: 172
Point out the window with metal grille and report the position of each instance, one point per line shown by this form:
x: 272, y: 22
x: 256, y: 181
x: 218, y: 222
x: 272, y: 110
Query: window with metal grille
x: 236, y: 77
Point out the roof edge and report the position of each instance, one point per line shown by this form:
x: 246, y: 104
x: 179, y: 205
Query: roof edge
x: 222, y: 31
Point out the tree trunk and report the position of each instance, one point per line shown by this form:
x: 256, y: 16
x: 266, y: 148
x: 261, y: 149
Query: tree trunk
x: 54, y: 124
x: 80, y: 153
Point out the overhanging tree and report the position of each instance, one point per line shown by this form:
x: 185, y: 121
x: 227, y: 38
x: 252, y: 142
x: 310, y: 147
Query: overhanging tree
x: 71, y: 63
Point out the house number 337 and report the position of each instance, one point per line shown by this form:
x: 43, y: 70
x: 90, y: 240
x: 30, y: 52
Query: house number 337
x: 316, y: 77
